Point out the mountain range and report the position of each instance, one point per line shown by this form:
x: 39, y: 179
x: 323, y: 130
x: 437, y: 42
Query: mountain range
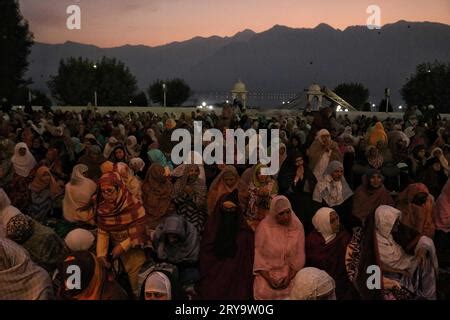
x: 279, y: 60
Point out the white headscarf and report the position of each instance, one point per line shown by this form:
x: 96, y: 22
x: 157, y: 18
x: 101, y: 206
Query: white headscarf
x: 333, y: 192
x: 79, y: 240
x: 112, y: 142
x: 321, y: 222
x: 7, y: 211
x: 131, y: 148
x: 391, y: 253
x: 137, y: 164
x: 78, y: 194
x: 158, y: 282
x: 311, y: 284
x: 23, y: 165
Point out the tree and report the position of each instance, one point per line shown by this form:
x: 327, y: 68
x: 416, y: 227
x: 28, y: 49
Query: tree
x: 177, y: 92
x: 15, y: 46
x: 38, y: 98
x: 354, y: 93
x: 139, y: 100
x: 429, y: 85
x: 79, y: 79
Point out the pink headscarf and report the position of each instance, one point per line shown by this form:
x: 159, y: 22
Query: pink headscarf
x: 441, y: 214
x: 278, y: 248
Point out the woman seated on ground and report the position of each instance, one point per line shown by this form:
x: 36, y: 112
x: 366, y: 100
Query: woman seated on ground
x: 227, y: 245
x: 370, y: 195
x: 334, y: 192
x: 21, y: 278
x: 224, y: 183
x: 176, y: 241
x: 24, y: 166
x: 160, y: 282
x: 189, y: 197
x: 417, y: 163
x: 279, y: 251
x: 435, y: 177
x: 416, y: 205
x: 45, y: 190
x: 79, y: 192
x: 119, y: 154
x: 157, y: 191
x: 260, y: 192
x: 44, y: 246
x: 326, y: 247
x: 313, y: 284
x: 322, y: 151
x: 297, y: 183
x: 415, y: 272
x: 96, y: 284
x: 441, y: 218
x: 133, y: 183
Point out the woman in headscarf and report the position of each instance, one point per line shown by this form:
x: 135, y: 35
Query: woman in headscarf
x: 228, y: 244
x: 24, y: 166
x: 322, y: 151
x: 334, y: 192
x: 435, y: 177
x: 93, y: 159
x: 44, y: 246
x: 279, y: 251
x: 7, y: 211
x: 6, y: 174
x: 53, y: 162
x: 37, y: 149
x: 441, y: 218
x: 416, y: 206
x: 297, y: 183
x: 96, y: 284
x: 189, y: 197
x: 415, y: 272
x: 438, y: 154
x: 119, y: 154
x: 326, y: 247
x: 21, y: 278
x: 79, y: 192
x: 44, y: 191
x: 157, y: 286
x: 133, y: 184
x: 260, y: 192
x: 133, y: 147
x: 376, y: 134
x: 109, y: 147
x: 225, y: 182
x: 176, y: 241
x: 370, y: 195
x: 313, y: 284
x: 155, y: 155
x: 417, y: 163
x: 80, y: 240
x: 157, y: 191
x: 138, y: 166
x: 122, y: 222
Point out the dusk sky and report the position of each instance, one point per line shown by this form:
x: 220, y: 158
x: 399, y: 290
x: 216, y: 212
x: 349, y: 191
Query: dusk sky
x: 110, y: 23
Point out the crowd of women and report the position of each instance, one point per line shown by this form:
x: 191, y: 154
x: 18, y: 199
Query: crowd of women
x: 100, y: 192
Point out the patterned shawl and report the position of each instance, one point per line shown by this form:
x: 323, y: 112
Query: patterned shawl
x: 127, y: 213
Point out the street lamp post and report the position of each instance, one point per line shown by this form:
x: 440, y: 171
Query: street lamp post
x: 164, y: 93
x: 387, y: 94
x: 95, y: 92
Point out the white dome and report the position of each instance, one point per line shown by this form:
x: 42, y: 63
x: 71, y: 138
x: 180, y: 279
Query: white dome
x: 239, y: 87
